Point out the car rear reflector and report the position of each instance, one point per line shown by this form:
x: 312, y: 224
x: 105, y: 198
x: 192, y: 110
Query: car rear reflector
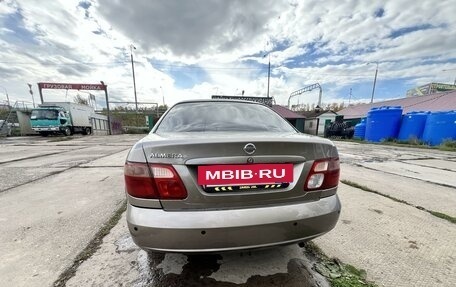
x: 324, y: 174
x: 155, y: 181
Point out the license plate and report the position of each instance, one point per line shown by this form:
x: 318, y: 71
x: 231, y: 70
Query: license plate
x: 245, y: 174
x: 243, y: 188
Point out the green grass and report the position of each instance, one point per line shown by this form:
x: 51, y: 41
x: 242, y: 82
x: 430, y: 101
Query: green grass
x: 448, y: 145
x: 338, y: 273
x: 443, y: 216
x: 350, y: 281
x: 368, y: 189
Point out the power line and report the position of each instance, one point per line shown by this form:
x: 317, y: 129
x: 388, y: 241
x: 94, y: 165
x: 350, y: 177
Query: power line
x: 202, y: 67
x: 128, y: 62
x: 179, y: 66
x: 65, y: 64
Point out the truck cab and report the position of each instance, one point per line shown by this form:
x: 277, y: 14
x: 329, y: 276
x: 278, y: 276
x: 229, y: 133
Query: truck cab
x: 51, y: 120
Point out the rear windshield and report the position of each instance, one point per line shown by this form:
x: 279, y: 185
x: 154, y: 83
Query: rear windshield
x: 222, y: 116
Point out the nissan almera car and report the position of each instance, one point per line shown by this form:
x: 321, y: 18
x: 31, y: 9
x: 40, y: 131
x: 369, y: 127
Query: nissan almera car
x: 219, y: 175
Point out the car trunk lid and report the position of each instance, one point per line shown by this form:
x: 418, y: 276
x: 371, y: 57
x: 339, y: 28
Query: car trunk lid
x: 187, y: 151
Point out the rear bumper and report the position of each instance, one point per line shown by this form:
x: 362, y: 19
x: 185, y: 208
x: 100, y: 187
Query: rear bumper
x: 226, y: 230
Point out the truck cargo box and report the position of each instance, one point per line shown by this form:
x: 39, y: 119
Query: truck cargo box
x: 80, y: 114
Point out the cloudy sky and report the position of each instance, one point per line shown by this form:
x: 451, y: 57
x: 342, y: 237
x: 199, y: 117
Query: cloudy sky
x: 193, y: 49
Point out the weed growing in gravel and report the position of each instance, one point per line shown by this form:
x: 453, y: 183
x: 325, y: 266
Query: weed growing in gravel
x: 338, y: 273
x: 443, y: 216
x: 448, y: 145
x: 368, y: 189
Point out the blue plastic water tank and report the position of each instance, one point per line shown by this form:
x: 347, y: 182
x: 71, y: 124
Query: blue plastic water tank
x: 360, y: 130
x: 383, y: 123
x: 412, y: 125
x: 440, y: 126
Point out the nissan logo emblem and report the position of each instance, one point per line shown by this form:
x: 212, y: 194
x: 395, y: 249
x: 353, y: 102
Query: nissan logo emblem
x: 250, y: 148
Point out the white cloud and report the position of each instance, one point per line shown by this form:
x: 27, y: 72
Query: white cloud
x: 194, y: 28
x: 225, y: 41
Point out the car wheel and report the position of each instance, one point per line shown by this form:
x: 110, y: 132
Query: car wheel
x: 87, y: 131
x: 67, y: 131
x: 44, y: 134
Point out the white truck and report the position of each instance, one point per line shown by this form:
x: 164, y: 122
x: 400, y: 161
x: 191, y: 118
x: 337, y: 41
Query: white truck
x: 62, y: 118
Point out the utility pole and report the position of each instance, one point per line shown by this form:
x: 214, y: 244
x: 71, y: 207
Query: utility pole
x: 163, y: 95
x: 447, y: 70
x: 133, y: 70
x: 375, y: 81
x: 269, y: 72
x: 349, y: 99
x: 105, y: 87
x: 7, y: 97
x: 31, y: 93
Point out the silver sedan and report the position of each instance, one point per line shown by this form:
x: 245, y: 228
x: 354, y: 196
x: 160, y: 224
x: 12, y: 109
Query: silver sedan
x: 218, y: 175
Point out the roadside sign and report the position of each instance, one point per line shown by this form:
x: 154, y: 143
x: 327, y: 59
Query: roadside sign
x: 66, y: 86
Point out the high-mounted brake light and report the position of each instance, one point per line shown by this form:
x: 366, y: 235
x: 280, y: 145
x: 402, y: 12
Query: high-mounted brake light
x: 155, y: 181
x: 324, y: 174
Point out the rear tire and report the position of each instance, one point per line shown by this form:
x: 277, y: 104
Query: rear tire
x: 87, y: 131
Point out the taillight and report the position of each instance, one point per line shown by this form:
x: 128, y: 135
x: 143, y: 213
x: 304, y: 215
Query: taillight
x: 168, y: 182
x: 324, y: 174
x: 138, y: 180
x: 155, y: 181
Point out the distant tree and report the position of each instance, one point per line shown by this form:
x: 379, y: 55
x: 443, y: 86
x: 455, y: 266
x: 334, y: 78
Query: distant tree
x: 334, y: 107
x: 341, y: 106
x: 78, y: 99
x: 163, y: 108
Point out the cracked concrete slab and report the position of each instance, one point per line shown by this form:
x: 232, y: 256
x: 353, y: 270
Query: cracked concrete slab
x: 117, y: 159
x: 10, y: 153
x: 376, y: 152
x: 428, y: 174
x: 430, y: 196
x: 397, y: 244
x: 16, y: 176
x: 435, y: 163
x: 119, y: 262
x: 81, y: 155
x: 50, y: 220
x: 45, y: 224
